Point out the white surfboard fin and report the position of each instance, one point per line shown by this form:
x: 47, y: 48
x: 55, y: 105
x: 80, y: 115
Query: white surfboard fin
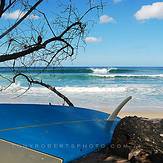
x: 118, y: 109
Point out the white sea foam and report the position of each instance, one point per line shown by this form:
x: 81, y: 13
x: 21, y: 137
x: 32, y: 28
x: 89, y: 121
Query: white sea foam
x: 40, y: 90
x: 110, y: 69
x: 143, y: 95
x: 13, y: 88
x: 92, y: 89
x: 17, y: 88
x: 99, y: 70
x: 127, y: 75
x: 132, y: 89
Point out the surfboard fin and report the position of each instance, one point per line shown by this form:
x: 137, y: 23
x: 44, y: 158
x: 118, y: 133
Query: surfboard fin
x: 118, y: 109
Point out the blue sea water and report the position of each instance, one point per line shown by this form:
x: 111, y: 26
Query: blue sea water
x: 96, y: 86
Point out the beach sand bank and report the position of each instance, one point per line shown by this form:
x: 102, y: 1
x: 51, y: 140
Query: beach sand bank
x: 150, y: 115
x: 153, y: 112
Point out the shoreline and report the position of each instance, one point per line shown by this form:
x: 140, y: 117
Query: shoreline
x: 152, y: 112
x: 143, y: 114
x: 130, y: 109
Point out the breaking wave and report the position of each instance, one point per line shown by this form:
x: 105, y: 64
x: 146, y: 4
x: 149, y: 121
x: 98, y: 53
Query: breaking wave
x: 100, y: 70
x: 113, y: 70
x: 127, y: 76
x: 41, y: 91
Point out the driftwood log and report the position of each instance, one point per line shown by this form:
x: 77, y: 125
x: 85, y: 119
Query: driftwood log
x: 135, y: 140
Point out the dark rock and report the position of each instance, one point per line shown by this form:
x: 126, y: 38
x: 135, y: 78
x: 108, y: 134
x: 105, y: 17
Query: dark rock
x: 139, y: 140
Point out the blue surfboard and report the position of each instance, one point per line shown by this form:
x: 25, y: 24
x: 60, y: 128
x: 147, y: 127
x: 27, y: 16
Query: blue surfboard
x: 51, y: 133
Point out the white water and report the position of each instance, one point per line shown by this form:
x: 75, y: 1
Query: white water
x: 92, y: 97
x: 100, y: 70
x: 139, y: 88
x: 127, y: 75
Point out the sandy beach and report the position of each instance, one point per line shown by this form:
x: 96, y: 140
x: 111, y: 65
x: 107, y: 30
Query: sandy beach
x: 150, y: 115
x: 144, y: 111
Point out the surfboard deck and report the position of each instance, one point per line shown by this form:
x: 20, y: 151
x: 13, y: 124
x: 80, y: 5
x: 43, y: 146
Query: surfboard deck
x: 58, y: 133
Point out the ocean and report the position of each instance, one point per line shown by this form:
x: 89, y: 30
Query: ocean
x: 93, y: 87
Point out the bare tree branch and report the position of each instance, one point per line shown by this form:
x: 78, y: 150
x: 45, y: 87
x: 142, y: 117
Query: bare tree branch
x: 36, y: 47
x: 53, y: 89
x: 2, y: 5
x: 47, y: 41
x: 21, y: 19
x: 10, y: 4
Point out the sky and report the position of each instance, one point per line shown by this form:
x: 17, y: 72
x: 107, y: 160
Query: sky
x: 126, y: 33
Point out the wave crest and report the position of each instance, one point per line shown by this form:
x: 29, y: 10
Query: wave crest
x: 127, y: 76
x: 99, y: 70
x: 41, y: 91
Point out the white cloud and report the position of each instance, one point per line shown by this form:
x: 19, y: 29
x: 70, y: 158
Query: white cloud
x: 18, y: 14
x: 117, y: 1
x: 153, y: 11
x: 92, y: 39
x: 106, y: 19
